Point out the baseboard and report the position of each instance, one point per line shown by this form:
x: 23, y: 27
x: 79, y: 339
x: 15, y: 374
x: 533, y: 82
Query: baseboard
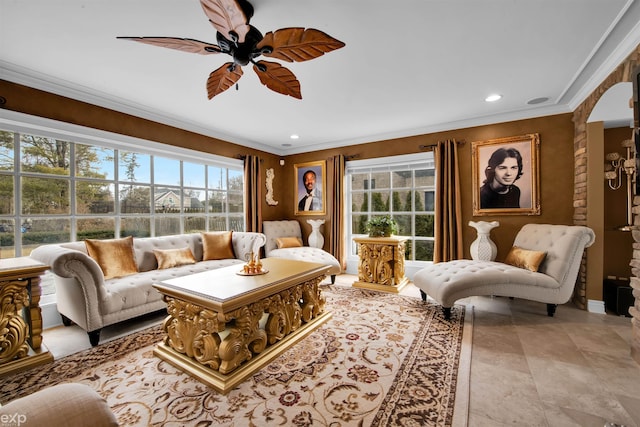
x: 50, y: 316
x: 595, y: 306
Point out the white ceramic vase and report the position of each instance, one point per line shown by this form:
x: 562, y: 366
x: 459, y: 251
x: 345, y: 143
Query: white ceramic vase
x: 316, y: 239
x: 483, y: 248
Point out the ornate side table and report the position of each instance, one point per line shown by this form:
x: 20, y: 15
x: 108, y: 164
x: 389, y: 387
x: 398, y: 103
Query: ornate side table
x: 20, y: 316
x: 381, y: 265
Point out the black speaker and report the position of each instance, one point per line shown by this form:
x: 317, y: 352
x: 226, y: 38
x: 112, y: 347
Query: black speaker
x: 618, y: 296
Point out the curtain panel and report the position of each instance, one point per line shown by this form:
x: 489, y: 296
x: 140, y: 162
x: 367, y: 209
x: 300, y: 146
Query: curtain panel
x: 448, y: 214
x: 336, y: 241
x: 253, y: 211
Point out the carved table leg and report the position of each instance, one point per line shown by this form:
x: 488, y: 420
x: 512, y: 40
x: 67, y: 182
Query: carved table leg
x: 34, y: 313
x: 13, y: 329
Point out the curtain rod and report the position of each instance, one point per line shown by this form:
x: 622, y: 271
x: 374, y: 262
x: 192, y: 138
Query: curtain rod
x: 425, y: 146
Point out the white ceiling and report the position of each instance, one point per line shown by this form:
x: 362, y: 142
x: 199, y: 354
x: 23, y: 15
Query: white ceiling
x: 409, y: 66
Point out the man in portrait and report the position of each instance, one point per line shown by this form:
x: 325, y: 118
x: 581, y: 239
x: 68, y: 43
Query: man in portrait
x: 312, y: 200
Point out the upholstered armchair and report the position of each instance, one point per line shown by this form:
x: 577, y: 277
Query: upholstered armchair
x: 67, y: 404
x: 284, y: 240
x: 542, y: 266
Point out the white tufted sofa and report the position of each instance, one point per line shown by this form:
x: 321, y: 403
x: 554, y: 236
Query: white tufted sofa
x: 291, y: 228
x: 553, y: 283
x: 86, y: 298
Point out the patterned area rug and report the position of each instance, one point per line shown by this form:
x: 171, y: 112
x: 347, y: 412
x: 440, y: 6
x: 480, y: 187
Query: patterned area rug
x: 381, y: 360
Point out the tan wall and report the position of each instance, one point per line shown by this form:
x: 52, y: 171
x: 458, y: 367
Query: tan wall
x: 556, y: 164
x: 39, y: 103
x: 618, y: 245
x: 556, y: 156
x: 595, y: 217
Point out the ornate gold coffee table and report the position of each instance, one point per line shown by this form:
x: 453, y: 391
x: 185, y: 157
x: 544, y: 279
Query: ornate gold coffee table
x: 21, y: 344
x: 222, y: 327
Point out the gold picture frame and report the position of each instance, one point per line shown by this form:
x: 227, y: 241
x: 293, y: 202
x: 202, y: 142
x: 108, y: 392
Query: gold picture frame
x: 506, y: 176
x: 317, y: 202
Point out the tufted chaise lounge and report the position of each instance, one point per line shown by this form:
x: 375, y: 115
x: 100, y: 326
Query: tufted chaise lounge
x: 553, y: 283
x: 291, y: 228
x: 84, y: 296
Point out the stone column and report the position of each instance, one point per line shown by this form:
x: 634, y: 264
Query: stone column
x: 635, y: 284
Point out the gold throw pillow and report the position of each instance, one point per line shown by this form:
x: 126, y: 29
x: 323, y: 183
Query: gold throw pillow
x: 168, y: 258
x: 524, y: 258
x: 288, y: 242
x: 217, y: 245
x: 114, y: 256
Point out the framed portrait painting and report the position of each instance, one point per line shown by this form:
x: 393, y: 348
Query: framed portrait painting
x: 506, y: 178
x: 311, y: 184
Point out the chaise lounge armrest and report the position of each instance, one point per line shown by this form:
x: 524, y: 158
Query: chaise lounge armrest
x: 273, y: 230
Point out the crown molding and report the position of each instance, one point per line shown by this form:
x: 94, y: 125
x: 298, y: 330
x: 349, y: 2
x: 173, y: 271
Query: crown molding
x: 621, y: 40
x: 34, y: 79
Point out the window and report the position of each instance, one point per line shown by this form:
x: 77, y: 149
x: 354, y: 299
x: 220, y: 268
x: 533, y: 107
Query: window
x: 400, y: 186
x: 57, y: 189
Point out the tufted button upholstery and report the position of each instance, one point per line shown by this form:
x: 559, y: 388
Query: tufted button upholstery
x: 447, y: 282
x: 291, y: 228
x: 86, y: 298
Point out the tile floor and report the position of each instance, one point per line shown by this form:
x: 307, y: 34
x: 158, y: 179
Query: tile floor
x: 527, y: 369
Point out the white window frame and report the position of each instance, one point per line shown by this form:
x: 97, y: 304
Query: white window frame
x: 383, y: 164
x: 21, y: 123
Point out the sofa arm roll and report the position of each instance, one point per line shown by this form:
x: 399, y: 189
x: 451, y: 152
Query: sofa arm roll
x: 68, y: 405
x: 71, y: 264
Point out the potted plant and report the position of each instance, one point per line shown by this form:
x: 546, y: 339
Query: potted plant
x: 381, y: 226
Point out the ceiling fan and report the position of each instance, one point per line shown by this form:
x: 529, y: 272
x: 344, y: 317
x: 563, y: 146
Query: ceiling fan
x: 245, y: 43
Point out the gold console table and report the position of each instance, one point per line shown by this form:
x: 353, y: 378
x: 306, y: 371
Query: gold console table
x: 381, y: 264
x: 20, y: 315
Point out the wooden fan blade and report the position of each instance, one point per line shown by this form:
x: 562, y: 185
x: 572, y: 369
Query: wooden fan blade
x: 298, y: 44
x: 227, y: 16
x: 222, y: 79
x: 184, y: 45
x: 278, y: 79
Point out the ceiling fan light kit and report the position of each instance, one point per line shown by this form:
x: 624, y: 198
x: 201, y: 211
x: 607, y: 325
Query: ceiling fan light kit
x: 245, y: 43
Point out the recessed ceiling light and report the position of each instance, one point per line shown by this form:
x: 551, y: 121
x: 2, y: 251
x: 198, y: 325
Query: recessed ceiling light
x: 538, y: 100
x: 294, y: 136
x: 493, y: 98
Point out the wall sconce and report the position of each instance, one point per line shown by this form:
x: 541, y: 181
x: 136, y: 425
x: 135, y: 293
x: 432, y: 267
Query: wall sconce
x: 281, y: 162
x: 614, y: 170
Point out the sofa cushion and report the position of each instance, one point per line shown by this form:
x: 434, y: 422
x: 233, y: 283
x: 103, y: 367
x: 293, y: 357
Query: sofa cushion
x: 114, y: 256
x: 127, y: 293
x: 524, y: 258
x: 217, y: 245
x: 288, y: 242
x: 168, y: 258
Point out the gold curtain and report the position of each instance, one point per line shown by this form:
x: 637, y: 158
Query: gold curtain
x: 448, y: 214
x: 253, y: 193
x: 336, y: 241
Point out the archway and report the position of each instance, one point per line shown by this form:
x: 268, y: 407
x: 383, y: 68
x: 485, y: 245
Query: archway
x: 623, y: 73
